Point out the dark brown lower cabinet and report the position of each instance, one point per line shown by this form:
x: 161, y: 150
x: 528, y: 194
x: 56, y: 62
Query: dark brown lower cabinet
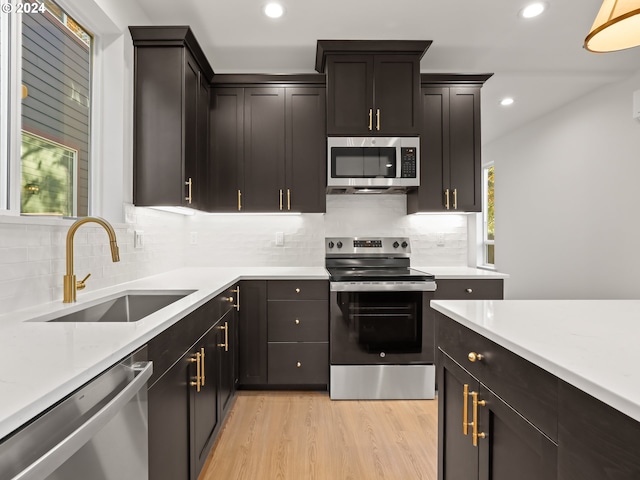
x: 284, y: 333
x: 482, y: 437
x: 192, y: 389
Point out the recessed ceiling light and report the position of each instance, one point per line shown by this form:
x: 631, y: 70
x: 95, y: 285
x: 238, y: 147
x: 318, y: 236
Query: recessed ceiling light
x: 506, y: 101
x: 273, y: 10
x: 533, y: 10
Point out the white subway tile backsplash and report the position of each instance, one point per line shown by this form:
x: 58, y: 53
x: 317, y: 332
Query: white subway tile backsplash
x: 32, y: 257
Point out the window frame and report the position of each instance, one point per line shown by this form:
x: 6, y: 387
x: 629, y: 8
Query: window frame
x: 485, y: 216
x: 11, y: 124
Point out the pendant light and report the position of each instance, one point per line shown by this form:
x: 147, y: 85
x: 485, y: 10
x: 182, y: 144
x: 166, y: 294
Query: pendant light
x: 616, y: 27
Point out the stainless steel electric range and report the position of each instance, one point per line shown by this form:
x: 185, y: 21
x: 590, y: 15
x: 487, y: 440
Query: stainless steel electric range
x: 381, y: 332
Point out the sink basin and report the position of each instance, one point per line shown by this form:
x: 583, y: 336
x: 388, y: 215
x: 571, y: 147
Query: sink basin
x: 127, y: 307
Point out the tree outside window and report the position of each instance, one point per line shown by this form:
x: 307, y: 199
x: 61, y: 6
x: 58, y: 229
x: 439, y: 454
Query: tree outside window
x: 489, y: 216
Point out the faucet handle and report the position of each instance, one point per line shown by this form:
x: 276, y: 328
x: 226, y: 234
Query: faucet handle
x: 80, y: 285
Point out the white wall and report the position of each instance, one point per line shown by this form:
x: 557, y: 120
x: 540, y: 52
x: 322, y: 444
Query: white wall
x: 567, y: 197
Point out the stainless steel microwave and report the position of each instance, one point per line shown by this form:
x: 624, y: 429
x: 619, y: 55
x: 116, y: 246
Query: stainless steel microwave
x: 372, y: 164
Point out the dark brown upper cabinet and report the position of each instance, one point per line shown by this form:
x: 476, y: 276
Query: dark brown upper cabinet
x: 373, y: 87
x: 171, y: 106
x: 450, y: 145
x: 268, y: 143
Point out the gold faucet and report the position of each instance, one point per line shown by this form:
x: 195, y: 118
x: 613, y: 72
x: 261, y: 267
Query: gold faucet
x: 70, y: 284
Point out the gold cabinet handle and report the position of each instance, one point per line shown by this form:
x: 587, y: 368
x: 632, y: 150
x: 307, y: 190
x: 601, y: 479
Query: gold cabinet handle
x: 469, y: 290
x: 288, y: 199
x: 280, y: 199
x: 297, y: 290
x: 298, y: 364
x: 475, y: 435
x: 237, y: 292
x: 378, y: 119
x: 297, y: 321
x: 226, y: 336
x: 371, y: 119
x: 473, y: 356
x: 189, y: 184
x: 80, y: 285
x: 202, y: 366
x: 455, y: 198
x: 465, y: 409
x: 239, y: 201
x: 196, y: 382
x: 446, y: 199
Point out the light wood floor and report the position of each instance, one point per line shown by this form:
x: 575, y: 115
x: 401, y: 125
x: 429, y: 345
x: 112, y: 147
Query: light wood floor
x: 306, y: 436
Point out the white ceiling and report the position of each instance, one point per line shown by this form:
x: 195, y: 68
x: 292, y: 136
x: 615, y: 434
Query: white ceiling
x: 540, y: 62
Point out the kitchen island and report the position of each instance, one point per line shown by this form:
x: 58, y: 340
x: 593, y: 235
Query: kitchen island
x: 535, y: 389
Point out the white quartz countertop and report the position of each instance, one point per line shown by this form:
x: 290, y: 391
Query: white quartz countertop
x: 590, y: 344
x: 41, y: 363
x: 453, y: 273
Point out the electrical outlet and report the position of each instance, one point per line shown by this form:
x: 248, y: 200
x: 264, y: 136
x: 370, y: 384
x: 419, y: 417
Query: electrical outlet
x: 193, y: 238
x: 440, y: 239
x: 279, y: 239
x: 138, y: 239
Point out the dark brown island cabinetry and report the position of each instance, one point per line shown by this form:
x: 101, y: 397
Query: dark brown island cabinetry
x: 502, y: 417
x: 191, y: 389
x: 373, y: 87
x: 450, y: 145
x: 497, y: 413
x: 171, y: 105
x: 268, y: 143
x: 284, y: 334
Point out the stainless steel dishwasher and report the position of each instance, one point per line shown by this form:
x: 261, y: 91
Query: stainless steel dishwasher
x: 99, y: 432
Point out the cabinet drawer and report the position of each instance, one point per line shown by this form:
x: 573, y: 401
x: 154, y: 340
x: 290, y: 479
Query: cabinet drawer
x: 528, y: 389
x: 298, y: 363
x: 298, y: 290
x: 469, y: 289
x: 305, y: 321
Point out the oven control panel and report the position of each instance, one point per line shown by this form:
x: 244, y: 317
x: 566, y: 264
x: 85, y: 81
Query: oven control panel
x: 343, y: 246
x: 367, y: 243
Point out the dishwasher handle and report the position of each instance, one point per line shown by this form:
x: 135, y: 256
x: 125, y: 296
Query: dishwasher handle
x: 51, y: 460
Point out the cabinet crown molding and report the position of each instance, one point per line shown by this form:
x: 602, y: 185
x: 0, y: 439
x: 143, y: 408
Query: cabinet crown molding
x: 351, y: 47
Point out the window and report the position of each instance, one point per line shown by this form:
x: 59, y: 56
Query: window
x: 49, y: 95
x: 489, y: 216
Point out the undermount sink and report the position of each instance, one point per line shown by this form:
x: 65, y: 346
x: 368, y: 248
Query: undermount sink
x: 129, y: 307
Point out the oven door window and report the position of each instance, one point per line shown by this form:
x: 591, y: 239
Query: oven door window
x: 385, y: 327
x: 363, y: 162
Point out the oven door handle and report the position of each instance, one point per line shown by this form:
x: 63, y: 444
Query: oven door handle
x: 383, y: 286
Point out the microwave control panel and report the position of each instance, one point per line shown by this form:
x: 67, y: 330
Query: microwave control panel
x: 408, y: 162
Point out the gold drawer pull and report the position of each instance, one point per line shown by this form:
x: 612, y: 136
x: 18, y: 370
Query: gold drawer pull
x: 465, y: 409
x: 297, y: 322
x: 469, y: 290
x: 297, y: 290
x: 298, y: 364
x: 226, y: 336
x: 475, y: 435
x: 197, y: 381
x: 202, y: 366
x: 473, y: 356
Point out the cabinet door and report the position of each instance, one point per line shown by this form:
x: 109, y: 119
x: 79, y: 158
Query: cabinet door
x: 226, y: 352
x: 190, y: 131
x: 434, y: 152
x: 252, y: 333
x: 306, y: 150
x: 227, y: 148
x: 350, y: 95
x: 457, y: 457
x: 464, y: 141
x: 512, y: 447
x: 169, y: 424
x: 263, y: 173
x: 201, y: 190
x: 204, y: 403
x: 396, y: 94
